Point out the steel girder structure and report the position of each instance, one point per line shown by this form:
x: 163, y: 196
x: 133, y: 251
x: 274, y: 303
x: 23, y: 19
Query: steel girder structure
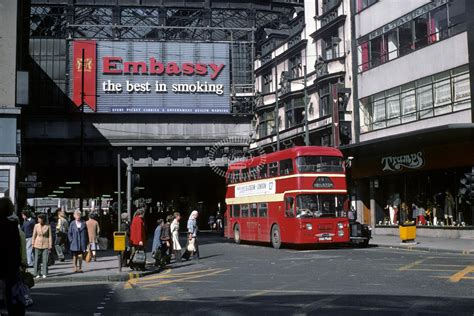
x: 240, y: 23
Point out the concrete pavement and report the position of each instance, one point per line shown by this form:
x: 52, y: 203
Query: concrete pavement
x: 105, y: 269
x: 430, y: 244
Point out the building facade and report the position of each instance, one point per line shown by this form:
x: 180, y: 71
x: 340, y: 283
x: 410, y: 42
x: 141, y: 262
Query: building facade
x: 170, y: 136
x: 303, y: 80
x: 414, y: 113
x: 13, y: 94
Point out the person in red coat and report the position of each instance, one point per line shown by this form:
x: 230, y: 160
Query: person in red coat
x: 137, y: 231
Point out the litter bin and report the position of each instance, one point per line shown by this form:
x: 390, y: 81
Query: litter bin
x: 407, y: 231
x: 119, y: 241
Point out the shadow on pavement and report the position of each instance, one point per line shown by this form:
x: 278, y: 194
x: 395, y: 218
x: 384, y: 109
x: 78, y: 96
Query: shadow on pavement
x: 287, y: 304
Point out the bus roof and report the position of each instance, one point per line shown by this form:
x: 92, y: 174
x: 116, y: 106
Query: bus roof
x: 286, y: 154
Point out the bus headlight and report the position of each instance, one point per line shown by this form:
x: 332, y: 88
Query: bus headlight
x: 309, y: 226
x: 340, y: 233
x: 340, y: 225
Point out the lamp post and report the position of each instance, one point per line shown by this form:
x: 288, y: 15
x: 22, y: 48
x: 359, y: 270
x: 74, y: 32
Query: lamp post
x: 81, y: 150
x: 305, y: 100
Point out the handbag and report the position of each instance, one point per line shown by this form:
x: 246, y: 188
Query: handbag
x: 139, y: 258
x: 191, y: 247
x: 88, y: 254
x: 20, y: 293
x: 27, y: 278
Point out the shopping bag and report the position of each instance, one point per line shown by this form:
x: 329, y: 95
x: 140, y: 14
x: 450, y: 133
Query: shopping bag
x: 191, y: 247
x: 88, y: 255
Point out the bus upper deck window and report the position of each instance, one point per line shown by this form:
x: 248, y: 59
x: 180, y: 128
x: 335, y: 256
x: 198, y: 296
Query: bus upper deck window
x: 273, y: 169
x: 263, y: 170
x: 286, y: 167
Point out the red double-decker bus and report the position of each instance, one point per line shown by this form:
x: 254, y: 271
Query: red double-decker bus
x: 293, y: 196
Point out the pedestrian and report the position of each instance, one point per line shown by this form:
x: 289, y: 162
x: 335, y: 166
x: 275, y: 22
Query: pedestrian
x: 156, y: 247
x: 192, y: 233
x: 174, y: 227
x: 11, y: 257
x: 211, y: 222
x: 28, y: 225
x: 125, y: 227
x: 137, y: 232
x: 166, y: 249
x: 61, y: 234
x: 77, y: 235
x: 42, y: 243
x: 93, y: 230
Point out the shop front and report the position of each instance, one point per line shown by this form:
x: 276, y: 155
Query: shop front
x: 415, y: 177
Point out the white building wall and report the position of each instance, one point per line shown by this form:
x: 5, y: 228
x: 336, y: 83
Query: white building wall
x: 383, y: 12
x: 441, y: 56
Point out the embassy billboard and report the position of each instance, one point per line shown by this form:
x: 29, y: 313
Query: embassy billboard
x: 151, y: 77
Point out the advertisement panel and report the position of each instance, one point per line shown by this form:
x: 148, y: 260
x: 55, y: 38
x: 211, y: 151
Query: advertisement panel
x: 151, y: 77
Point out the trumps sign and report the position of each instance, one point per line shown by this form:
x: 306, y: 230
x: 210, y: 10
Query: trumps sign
x: 152, y: 77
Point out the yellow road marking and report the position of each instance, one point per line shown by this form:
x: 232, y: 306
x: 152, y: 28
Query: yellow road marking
x: 183, y: 279
x: 461, y: 274
x: 168, y: 275
x: 411, y: 265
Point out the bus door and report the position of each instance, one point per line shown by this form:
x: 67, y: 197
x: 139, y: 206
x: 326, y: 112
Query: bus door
x: 252, y: 222
x: 263, y: 222
x: 288, y: 221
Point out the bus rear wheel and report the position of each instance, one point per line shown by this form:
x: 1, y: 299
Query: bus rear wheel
x: 237, y: 234
x: 276, y: 237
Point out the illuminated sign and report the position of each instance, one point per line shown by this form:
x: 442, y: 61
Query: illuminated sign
x: 151, y: 77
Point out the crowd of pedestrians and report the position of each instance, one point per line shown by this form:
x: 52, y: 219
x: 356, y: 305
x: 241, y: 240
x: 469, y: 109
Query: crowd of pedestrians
x: 166, y: 244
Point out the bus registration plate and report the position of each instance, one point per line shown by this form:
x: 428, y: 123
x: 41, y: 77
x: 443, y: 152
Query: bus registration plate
x: 325, y: 237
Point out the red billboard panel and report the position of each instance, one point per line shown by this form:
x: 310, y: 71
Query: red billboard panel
x: 90, y: 73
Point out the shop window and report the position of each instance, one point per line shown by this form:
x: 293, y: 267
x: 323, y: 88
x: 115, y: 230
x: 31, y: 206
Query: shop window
x: 421, y: 26
x: 438, y: 24
x: 405, y: 38
x: 377, y: 50
x: 286, y: 167
x: 263, y: 210
x: 273, y: 169
x: 267, y: 80
x: 253, y: 210
x: 244, y: 210
x: 424, y: 97
x: 324, y: 101
x: 236, y: 210
x: 408, y: 103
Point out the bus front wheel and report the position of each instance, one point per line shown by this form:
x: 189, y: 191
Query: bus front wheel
x: 276, y: 237
x: 237, y: 234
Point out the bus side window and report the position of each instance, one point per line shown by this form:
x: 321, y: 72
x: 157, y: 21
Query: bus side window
x: 273, y: 169
x: 245, y: 210
x: 289, y: 207
x: 236, y: 211
x: 253, y: 210
x: 286, y: 167
x: 263, y: 210
x: 237, y: 176
x: 263, y: 171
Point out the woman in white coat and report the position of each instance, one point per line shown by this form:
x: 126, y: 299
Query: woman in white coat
x: 175, y: 236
